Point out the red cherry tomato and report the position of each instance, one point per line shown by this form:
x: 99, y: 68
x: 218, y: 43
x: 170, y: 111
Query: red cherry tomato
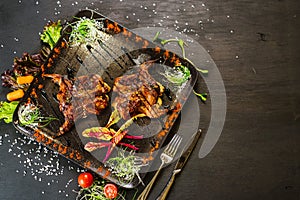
x: 85, y: 179
x: 110, y: 191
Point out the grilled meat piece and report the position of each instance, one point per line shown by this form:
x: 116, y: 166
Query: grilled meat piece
x: 138, y: 93
x: 79, y: 97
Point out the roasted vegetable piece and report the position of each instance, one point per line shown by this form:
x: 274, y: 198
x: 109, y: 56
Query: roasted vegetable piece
x: 15, y: 95
x: 24, y: 79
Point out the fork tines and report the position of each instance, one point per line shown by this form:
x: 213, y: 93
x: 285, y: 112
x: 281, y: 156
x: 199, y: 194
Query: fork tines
x: 173, y: 145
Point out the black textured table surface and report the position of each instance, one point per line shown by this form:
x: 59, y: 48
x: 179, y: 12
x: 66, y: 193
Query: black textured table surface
x: 255, y: 47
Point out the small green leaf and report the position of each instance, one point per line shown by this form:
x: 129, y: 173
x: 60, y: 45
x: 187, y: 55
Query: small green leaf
x: 51, y: 33
x: 101, y: 133
x: 7, y: 110
x: 114, y: 118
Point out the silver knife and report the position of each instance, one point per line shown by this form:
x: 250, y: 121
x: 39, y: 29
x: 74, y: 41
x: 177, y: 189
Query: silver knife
x: 180, y: 164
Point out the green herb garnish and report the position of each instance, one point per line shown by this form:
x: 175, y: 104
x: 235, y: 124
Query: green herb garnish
x: 203, y: 96
x: 96, y: 192
x: 179, y: 75
x: 85, y: 30
x: 124, y: 166
x: 7, y: 110
x: 51, y: 33
x: 181, y: 44
x: 29, y: 115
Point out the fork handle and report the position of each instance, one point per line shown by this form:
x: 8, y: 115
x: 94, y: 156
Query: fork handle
x: 166, y: 190
x: 145, y: 193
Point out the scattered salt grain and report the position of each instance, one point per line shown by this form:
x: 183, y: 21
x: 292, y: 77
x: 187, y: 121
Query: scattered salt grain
x: 68, y: 183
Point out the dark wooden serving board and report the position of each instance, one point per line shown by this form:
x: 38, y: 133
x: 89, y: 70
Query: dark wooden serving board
x: 119, y: 52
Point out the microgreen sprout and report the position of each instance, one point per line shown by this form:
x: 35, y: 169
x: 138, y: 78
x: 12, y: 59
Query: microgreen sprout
x: 162, y: 41
x: 85, y: 30
x: 29, y: 115
x: 203, y: 96
x: 179, y: 75
x: 175, y: 78
x: 96, y: 192
x: 181, y: 44
x: 124, y: 166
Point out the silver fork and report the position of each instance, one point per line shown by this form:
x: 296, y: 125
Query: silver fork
x: 166, y: 157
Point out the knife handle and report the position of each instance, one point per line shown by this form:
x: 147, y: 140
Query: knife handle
x: 165, y: 192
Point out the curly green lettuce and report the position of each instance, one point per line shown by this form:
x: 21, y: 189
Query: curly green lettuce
x: 7, y: 110
x: 51, y: 33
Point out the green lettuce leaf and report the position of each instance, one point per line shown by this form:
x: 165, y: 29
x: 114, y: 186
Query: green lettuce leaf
x: 7, y: 110
x: 51, y: 33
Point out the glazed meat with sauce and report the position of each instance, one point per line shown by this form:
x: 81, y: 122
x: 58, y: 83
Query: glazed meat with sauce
x: 138, y: 93
x: 79, y: 97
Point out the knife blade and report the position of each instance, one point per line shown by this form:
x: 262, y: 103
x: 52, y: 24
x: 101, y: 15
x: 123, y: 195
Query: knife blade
x: 181, y: 163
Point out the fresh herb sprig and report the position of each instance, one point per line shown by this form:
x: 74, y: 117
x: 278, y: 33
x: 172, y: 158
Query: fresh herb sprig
x: 85, y: 30
x: 181, y: 44
x: 179, y: 75
x: 203, y: 96
x: 29, y: 115
x: 174, y: 78
x: 124, y: 167
x: 96, y: 192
